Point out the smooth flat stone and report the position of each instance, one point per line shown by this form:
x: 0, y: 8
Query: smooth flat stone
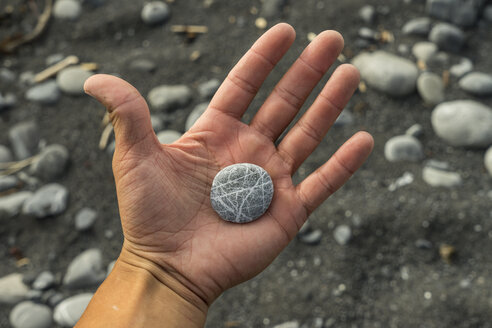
x: 440, y: 178
x: 241, y: 193
x: 67, y: 9
x: 71, y: 80
x: 168, y: 97
x: 207, y: 89
x: 48, y: 200
x: 69, y: 311
x: 85, y: 270
x: 11, y: 205
x: 12, y: 289
x: 46, y: 93
x: 31, y: 315
x: 488, y: 160
x: 24, y: 138
x: 477, y: 83
x: 85, y: 219
x: 403, y: 148
x: 464, y: 67
x: 155, y: 12
x: 52, y: 162
x: 430, y: 88
x: 448, y: 37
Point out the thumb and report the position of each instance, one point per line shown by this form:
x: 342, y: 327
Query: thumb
x: 128, y: 111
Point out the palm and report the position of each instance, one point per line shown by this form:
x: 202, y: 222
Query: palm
x: 163, y: 190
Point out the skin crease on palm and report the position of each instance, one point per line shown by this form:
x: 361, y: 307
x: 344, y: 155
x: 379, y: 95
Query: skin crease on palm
x: 164, y: 190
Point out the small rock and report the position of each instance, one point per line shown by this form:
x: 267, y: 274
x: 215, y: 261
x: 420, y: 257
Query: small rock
x: 12, y: 289
x: 207, y: 89
x: 6, y: 75
x: 169, y: 97
x: 7, y: 101
x: 423, y: 244
x: 68, y: 312
x: 463, y: 13
x: 448, y: 37
x: 241, y: 193
x: 388, y: 73
x: 311, y: 237
x: 54, y: 59
x: 440, y: 178
x: 71, y: 80
x: 11, y: 205
x: 85, y: 270
x: 51, y: 163
x: 31, y: 315
x: 430, y: 88
x: 157, y: 123
x: 46, y: 93
x: 424, y: 50
x: 24, y: 139
x: 195, y: 115
x: 415, y: 130
x: 345, y: 118
x: 406, y: 179
x: 168, y: 136
x: 403, y: 148
x: 463, y: 123
x: 368, y: 34
x: 50, y: 199
x: 44, y: 281
x: 8, y: 182
x: 465, y: 66
x: 417, y: 26
x: 272, y: 8
x: 488, y: 160
x: 143, y: 65
x: 85, y: 219
x: 367, y: 13
x: 155, y: 12
x: 67, y: 9
x: 342, y: 234
x: 5, y: 154
x: 477, y: 83
x: 290, y: 324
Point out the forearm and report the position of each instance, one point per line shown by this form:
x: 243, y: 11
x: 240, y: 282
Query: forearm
x: 134, y: 295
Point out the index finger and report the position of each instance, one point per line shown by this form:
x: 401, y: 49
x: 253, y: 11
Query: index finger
x: 245, y: 79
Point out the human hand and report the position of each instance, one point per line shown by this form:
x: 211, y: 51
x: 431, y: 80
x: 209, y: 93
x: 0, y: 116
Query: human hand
x: 164, y: 190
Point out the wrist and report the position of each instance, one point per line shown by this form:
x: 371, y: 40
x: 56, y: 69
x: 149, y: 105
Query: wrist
x: 138, y: 293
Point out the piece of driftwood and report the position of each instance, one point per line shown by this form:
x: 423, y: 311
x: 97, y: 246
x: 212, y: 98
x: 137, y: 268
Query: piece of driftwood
x: 15, y: 41
x: 53, y: 70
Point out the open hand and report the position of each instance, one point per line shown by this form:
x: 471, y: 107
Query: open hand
x: 164, y: 190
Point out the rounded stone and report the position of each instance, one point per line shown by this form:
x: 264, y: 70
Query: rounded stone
x: 155, y: 12
x: 430, y: 88
x: 241, y: 193
x: 71, y: 80
x: 31, y: 315
x: 51, y: 163
x: 403, y: 148
x: 448, y: 37
x: 488, y: 160
x: 67, y: 9
x: 477, y: 83
x: 68, y: 312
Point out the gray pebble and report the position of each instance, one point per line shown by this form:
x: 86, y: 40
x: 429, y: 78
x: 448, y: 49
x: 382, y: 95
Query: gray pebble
x: 169, y: 97
x: 31, y: 315
x: 465, y: 66
x: 155, y: 12
x: 368, y: 34
x: 46, y: 93
x: 477, y: 83
x: 157, y: 123
x: 403, y: 148
x: 8, y: 182
x: 463, y: 13
x: 367, y: 13
x: 312, y: 237
x: 195, y: 115
x: 168, y: 136
x: 289, y: 324
x: 440, y: 178
x: 463, y: 123
x: 67, y: 9
x: 12, y: 289
x: 430, y: 88
x: 7, y: 101
x: 207, y: 89
x: 423, y: 244
x: 49, y: 200
x: 24, y: 139
x: 85, y: 219
x: 417, y: 26
x: 11, y: 205
x: 6, y: 75
x: 393, y: 75
x: 272, y: 8
x: 85, y: 270
x: 69, y: 311
x: 54, y: 59
x: 71, y: 80
x: 345, y: 118
x: 51, y: 163
x: 415, y: 130
x: 424, y: 50
x: 488, y: 160
x: 448, y: 37
x: 143, y: 65
x: 44, y: 281
x: 5, y: 154
x: 241, y: 192
x: 342, y: 234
